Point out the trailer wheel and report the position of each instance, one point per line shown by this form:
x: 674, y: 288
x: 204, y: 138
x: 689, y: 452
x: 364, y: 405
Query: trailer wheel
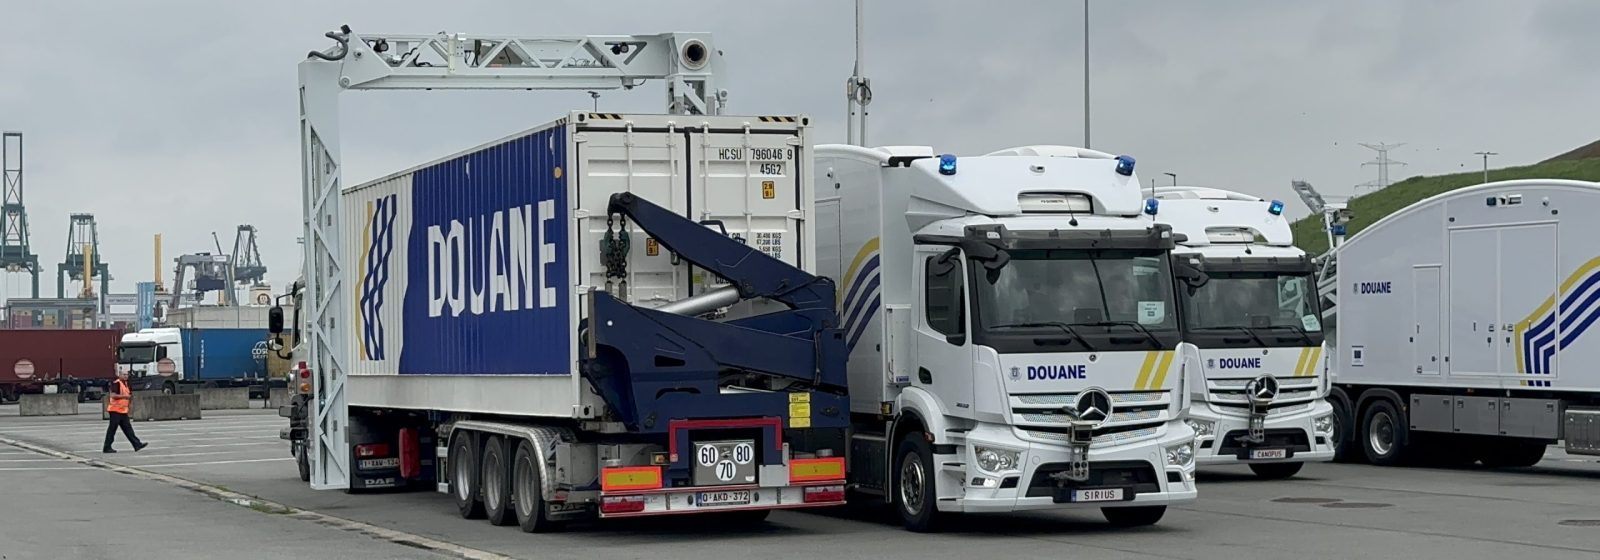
x: 1275, y: 471
x: 496, y: 481
x: 1134, y: 516
x: 914, y: 491
x: 528, y: 490
x: 1512, y: 453
x: 464, y: 475
x: 1385, y: 437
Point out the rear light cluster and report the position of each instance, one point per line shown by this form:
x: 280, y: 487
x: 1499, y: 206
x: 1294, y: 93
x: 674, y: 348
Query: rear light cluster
x: 372, y: 450
x: 304, y: 371
x: 823, y: 494
x: 621, y: 504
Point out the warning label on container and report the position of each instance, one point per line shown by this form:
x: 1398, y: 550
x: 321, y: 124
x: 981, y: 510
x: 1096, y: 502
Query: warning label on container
x: 651, y: 247
x: 770, y: 242
x: 769, y: 190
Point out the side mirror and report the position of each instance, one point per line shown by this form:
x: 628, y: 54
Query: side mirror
x: 275, y: 320
x: 945, y: 263
x: 959, y: 339
x: 161, y: 352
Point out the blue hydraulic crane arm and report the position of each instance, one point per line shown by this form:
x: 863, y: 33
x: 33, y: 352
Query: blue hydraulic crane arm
x: 752, y: 272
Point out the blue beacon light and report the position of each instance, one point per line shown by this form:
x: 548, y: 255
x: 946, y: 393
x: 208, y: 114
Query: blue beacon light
x: 1151, y: 205
x: 1125, y: 165
x: 1276, y: 208
x: 947, y: 164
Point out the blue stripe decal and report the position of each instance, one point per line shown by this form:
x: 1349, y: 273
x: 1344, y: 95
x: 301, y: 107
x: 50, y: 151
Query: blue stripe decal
x: 861, y: 328
x: 1539, y: 342
x: 855, y: 312
x: 855, y: 283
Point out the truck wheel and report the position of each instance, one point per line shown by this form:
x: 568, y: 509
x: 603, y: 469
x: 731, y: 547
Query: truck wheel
x: 914, y: 492
x: 169, y: 389
x: 528, y: 491
x: 1513, y: 453
x: 1275, y: 471
x: 464, y: 475
x: 1384, y: 434
x: 1343, y: 426
x: 304, y: 462
x: 496, y: 481
x: 1134, y: 516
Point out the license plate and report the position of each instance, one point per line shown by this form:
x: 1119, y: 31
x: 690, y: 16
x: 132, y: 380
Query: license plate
x: 1097, y: 495
x: 1269, y: 453
x: 730, y: 498
x: 380, y: 463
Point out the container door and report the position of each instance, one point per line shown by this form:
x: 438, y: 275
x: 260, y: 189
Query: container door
x: 652, y: 165
x: 1427, y: 353
x: 1528, y: 279
x: 1474, y: 281
x: 749, y: 185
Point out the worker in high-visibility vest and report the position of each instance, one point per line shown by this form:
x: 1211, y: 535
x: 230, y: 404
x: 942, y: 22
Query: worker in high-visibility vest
x: 117, y: 409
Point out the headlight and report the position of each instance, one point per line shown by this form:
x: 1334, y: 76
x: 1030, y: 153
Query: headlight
x: 1323, y: 424
x: 997, y: 460
x: 1180, y: 455
x: 1201, y: 428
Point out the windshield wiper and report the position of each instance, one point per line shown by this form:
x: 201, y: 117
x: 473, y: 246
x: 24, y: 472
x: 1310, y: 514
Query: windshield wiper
x: 1297, y: 330
x: 1247, y: 330
x: 1141, y: 328
x: 1057, y: 324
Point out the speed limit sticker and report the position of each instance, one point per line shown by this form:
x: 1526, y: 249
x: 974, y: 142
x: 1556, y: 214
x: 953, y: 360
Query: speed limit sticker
x: 708, y: 455
x: 726, y: 470
x: 744, y: 453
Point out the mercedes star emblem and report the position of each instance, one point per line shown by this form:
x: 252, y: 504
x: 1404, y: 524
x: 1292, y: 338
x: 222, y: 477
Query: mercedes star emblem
x: 1262, y: 389
x: 1092, y: 405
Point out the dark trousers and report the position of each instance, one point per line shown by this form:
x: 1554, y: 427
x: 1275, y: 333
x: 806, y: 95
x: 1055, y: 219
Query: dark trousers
x: 120, y: 419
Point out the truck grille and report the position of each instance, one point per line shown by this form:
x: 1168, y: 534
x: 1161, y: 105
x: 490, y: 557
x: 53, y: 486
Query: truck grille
x: 1295, y: 394
x: 1134, y: 415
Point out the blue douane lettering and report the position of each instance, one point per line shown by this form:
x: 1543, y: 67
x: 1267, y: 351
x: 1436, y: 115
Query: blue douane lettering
x: 490, y: 259
x: 1079, y: 371
x: 1239, y: 363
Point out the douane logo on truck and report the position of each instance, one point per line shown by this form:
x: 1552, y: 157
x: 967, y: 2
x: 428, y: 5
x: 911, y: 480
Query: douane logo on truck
x: 1239, y: 363
x: 1384, y: 287
x: 1078, y: 371
x: 488, y: 264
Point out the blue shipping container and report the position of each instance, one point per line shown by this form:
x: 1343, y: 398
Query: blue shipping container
x: 215, y: 354
x: 461, y: 266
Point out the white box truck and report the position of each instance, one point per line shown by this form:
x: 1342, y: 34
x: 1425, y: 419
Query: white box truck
x: 1461, y: 326
x: 1251, y: 330
x: 1012, y: 332
x: 530, y: 326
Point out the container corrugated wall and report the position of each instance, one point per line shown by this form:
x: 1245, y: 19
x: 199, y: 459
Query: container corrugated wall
x: 84, y: 354
x: 460, y: 267
x: 224, y: 353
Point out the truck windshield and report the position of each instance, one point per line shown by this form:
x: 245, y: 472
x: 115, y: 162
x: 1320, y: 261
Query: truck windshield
x: 1266, y: 309
x: 1075, y: 300
x: 136, y: 353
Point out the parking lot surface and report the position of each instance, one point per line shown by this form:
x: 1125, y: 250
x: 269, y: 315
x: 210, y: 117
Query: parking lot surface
x: 1328, y: 511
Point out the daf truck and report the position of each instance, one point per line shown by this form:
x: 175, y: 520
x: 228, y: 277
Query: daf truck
x: 1461, y: 326
x: 1251, y: 332
x: 1012, y: 331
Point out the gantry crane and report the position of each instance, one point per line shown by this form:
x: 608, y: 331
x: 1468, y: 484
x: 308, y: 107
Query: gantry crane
x: 16, y: 256
x: 248, y: 269
x: 82, y: 262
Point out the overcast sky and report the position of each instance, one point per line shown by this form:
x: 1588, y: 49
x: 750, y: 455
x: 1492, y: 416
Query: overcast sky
x: 180, y: 117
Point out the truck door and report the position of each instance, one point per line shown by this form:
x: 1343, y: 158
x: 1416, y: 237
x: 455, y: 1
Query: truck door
x: 1528, y: 279
x: 1426, y: 351
x: 1474, y: 281
x: 943, y: 340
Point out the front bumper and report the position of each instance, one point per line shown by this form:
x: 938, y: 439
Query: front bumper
x: 1139, y: 468
x: 1295, y: 434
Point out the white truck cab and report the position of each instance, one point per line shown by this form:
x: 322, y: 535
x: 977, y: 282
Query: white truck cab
x: 1012, y: 329
x: 153, y: 358
x: 1251, y: 330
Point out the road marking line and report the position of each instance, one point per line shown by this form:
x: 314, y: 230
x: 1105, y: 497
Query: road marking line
x: 212, y: 463
x: 228, y: 422
x: 229, y: 496
x: 186, y: 446
x: 9, y: 469
x: 147, y: 455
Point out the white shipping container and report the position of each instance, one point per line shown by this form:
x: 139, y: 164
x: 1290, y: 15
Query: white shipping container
x: 465, y: 277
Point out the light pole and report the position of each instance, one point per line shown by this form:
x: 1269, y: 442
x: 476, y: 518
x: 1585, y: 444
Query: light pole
x: 1485, y: 163
x: 1174, y: 177
x: 1086, y: 74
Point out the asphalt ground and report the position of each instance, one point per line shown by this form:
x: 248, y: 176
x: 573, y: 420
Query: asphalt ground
x: 1551, y: 510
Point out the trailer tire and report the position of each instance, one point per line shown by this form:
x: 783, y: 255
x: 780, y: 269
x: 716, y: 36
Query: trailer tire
x: 1512, y: 453
x: 303, y: 462
x: 1385, y: 436
x: 1275, y: 471
x: 496, y: 482
x: 1134, y: 516
x: 169, y: 388
x: 527, y: 497
x: 915, y: 494
x: 464, y: 475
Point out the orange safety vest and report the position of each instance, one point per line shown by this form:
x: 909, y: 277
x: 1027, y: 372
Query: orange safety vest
x: 120, y: 395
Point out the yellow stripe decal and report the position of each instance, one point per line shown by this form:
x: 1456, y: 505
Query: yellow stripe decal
x: 1566, y: 286
x: 1166, y: 364
x: 1144, y: 370
x: 855, y: 265
x: 1311, y: 364
x: 1300, y: 365
x: 361, y: 283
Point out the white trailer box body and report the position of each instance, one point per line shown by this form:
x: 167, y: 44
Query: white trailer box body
x: 1464, y: 319
x: 221, y: 317
x: 466, y: 273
